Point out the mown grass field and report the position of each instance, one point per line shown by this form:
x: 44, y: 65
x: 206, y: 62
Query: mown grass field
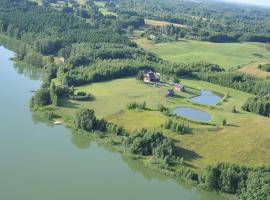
x: 227, y: 55
x: 246, y: 140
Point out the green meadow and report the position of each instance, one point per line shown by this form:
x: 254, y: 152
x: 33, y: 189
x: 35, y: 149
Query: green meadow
x: 238, y: 142
x: 227, y: 55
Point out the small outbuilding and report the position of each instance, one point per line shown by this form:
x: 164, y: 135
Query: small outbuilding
x: 151, y: 77
x: 170, y: 93
x: 179, y: 87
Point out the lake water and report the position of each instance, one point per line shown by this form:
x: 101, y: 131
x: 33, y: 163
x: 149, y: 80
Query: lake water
x: 39, y: 162
x: 207, y: 98
x: 193, y: 114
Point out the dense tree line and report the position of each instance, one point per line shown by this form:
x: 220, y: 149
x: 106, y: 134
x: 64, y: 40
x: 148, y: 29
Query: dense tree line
x: 85, y: 53
x: 50, y: 29
x: 258, y: 104
x: 246, y: 183
x: 102, y: 70
x: 237, y: 80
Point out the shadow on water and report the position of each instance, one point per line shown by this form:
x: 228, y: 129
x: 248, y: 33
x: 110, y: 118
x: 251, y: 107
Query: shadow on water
x: 32, y: 72
x: 80, y: 141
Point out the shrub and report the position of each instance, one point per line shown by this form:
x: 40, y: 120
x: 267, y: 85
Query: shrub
x: 179, y: 127
x: 134, y: 105
x: 149, y: 143
x: 162, y: 108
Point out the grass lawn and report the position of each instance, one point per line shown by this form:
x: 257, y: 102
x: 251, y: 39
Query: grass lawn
x: 227, y: 55
x: 246, y: 140
x: 100, y: 4
x: 105, y: 12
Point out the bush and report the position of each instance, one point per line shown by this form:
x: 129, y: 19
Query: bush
x: 149, y: 143
x: 224, y: 122
x: 162, y: 108
x: 179, y: 127
x: 41, y: 98
x: 134, y: 106
x: 86, y: 120
x: 265, y: 67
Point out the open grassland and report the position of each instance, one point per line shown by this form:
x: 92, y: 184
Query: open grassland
x: 253, y: 69
x: 152, y: 22
x: 246, y: 140
x: 82, y: 2
x: 100, y: 4
x: 227, y: 55
x: 105, y: 12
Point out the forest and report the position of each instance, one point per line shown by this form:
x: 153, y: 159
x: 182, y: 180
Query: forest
x: 207, y: 20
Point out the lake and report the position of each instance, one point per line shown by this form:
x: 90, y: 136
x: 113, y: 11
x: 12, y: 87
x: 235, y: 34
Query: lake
x: 39, y: 162
x: 207, y: 97
x: 192, y: 113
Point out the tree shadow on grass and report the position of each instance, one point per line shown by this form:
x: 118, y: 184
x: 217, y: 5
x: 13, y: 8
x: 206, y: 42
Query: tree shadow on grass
x: 188, y: 155
x: 65, y: 103
x: 177, y: 96
x: 192, y: 91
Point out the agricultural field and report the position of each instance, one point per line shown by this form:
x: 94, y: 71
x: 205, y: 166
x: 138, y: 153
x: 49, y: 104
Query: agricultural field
x: 227, y: 55
x: 152, y: 22
x: 238, y: 142
x: 102, y: 9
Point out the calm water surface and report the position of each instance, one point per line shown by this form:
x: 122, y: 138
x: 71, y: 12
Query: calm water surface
x: 207, y: 98
x: 193, y: 114
x: 39, y: 162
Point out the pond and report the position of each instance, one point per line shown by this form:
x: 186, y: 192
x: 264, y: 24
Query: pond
x: 43, y: 162
x: 193, y: 114
x: 208, y: 98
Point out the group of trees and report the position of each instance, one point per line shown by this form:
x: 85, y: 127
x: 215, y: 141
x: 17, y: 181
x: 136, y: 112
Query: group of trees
x: 178, y: 126
x: 135, y: 105
x: 258, y: 104
x: 150, y: 143
x: 49, y: 93
x: 86, y: 120
x: 246, y: 183
x: 237, y: 80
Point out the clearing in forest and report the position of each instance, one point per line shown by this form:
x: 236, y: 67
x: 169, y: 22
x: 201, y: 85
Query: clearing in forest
x: 227, y: 55
x: 238, y: 142
x: 152, y: 22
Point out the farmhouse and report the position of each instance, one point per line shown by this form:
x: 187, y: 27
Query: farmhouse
x: 150, y: 76
x: 179, y: 87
